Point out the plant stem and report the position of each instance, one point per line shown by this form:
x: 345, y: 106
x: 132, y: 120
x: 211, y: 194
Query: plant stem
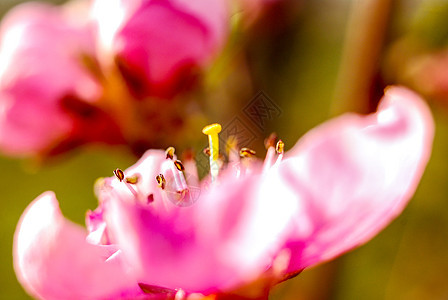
x: 360, y: 64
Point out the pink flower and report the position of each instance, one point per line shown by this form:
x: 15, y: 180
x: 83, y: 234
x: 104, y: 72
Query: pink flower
x: 41, y: 49
x: 159, y: 45
x: 427, y: 73
x: 340, y: 185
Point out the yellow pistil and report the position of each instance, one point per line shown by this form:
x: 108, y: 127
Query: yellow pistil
x: 213, y: 140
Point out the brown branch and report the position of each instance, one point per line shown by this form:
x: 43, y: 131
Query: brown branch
x: 366, y: 29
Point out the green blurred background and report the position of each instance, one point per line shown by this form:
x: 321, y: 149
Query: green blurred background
x: 298, y: 66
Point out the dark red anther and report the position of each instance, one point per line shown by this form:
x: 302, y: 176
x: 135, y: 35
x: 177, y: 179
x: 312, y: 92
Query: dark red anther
x: 119, y: 174
x: 179, y: 165
x: 161, y: 181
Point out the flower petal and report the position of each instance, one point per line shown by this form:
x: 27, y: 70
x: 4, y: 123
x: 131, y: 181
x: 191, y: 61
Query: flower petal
x: 159, y: 45
x: 353, y: 175
x: 146, y: 169
x: 40, y: 63
x: 226, y: 239
x: 52, y: 259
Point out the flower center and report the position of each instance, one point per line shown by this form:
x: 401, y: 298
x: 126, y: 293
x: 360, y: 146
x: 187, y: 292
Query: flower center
x: 179, y: 181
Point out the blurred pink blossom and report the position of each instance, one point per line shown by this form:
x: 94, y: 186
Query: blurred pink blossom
x: 41, y: 51
x: 160, y: 45
x: 428, y: 74
x: 335, y: 189
x: 70, y: 74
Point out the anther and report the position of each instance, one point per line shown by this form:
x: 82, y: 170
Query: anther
x: 119, y: 174
x: 132, y: 179
x: 170, y: 153
x: 128, y: 180
x: 206, y: 151
x: 246, y: 152
x: 161, y: 181
x: 150, y: 198
x: 280, y: 147
x: 179, y: 165
x: 270, y: 140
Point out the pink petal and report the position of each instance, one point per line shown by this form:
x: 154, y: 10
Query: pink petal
x: 160, y: 44
x: 214, y: 14
x: 353, y: 175
x: 227, y: 238
x: 52, y: 260
x: 147, y: 168
x: 40, y: 63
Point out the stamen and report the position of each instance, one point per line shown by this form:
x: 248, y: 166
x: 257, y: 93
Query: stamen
x: 246, y: 152
x: 181, y: 194
x: 280, y: 147
x: 170, y: 153
x: 179, y: 165
x: 150, y: 198
x: 272, y: 149
x: 213, y: 139
x: 270, y: 141
x: 178, y: 176
x: 191, y: 171
x: 174, y: 178
x: 132, y: 179
x: 161, y: 181
x: 270, y: 159
x: 119, y: 174
x: 129, y: 180
x: 206, y: 151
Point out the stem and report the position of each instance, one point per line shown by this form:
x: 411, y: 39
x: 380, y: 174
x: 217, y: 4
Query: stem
x: 361, y: 56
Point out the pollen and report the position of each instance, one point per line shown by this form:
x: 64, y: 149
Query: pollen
x: 280, y: 147
x: 132, y: 179
x: 119, y: 174
x: 170, y: 153
x: 246, y: 152
x: 179, y: 165
x: 161, y: 181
